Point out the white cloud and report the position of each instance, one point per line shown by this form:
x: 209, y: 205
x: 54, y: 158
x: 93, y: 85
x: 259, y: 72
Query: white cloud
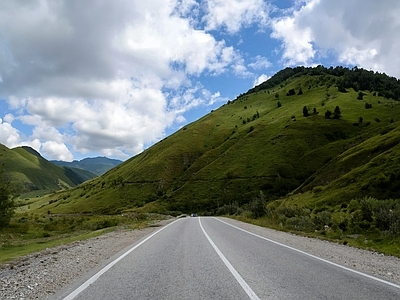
x: 296, y: 39
x: 180, y: 119
x: 356, y: 32
x: 35, y: 144
x: 9, y: 118
x: 56, y: 151
x: 97, y: 81
x: 215, y: 98
x: 185, y: 7
x: 260, y: 63
x: 9, y: 136
x: 261, y: 79
x: 232, y: 15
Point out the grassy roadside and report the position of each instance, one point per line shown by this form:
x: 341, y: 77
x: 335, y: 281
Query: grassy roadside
x: 372, y: 241
x: 15, y: 249
x: 30, y: 233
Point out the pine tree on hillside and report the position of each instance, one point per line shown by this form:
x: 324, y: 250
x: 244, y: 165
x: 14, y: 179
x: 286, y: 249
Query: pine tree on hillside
x: 305, y: 111
x: 336, y: 113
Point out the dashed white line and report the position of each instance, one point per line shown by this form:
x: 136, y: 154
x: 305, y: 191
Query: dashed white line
x: 237, y: 276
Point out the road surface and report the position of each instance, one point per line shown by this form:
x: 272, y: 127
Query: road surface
x: 207, y: 258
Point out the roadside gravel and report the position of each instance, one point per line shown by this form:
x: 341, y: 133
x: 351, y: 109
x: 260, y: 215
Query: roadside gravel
x: 41, y: 275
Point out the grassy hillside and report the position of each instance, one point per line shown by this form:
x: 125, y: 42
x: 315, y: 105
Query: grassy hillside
x: 273, y: 156
x: 262, y: 141
x: 29, y: 171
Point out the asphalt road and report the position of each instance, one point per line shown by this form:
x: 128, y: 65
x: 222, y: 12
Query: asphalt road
x: 206, y: 258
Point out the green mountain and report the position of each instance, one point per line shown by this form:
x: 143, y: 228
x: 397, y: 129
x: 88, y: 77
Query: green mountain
x: 322, y: 136
x: 29, y: 171
x: 96, y: 165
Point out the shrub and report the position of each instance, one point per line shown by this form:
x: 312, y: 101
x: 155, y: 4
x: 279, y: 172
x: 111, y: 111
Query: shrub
x: 291, y: 92
x: 7, y: 203
x: 336, y: 113
x: 387, y: 215
x: 305, y: 111
x: 328, y: 114
x: 301, y: 223
x: 367, y: 208
x: 229, y: 209
x: 257, y: 206
x: 321, y: 219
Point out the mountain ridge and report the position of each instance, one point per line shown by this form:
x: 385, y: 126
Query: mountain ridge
x: 97, y: 165
x: 271, y: 140
x: 29, y: 171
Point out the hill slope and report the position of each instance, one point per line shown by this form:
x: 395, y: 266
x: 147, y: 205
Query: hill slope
x: 29, y: 171
x: 277, y: 138
x: 96, y: 165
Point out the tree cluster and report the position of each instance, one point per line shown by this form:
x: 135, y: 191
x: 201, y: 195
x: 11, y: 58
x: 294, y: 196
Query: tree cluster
x: 356, y: 78
x: 336, y: 113
x: 7, y: 204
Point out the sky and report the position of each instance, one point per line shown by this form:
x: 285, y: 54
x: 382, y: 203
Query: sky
x: 111, y: 78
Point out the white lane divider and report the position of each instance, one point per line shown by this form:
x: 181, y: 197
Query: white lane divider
x: 237, y: 276
x: 313, y: 256
x: 92, y: 279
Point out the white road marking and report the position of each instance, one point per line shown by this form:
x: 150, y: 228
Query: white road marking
x: 237, y: 276
x: 109, y: 266
x: 313, y: 256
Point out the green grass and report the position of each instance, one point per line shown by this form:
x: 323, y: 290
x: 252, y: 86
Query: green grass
x: 372, y: 241
x: 11, y: 251
x: 31, y: 232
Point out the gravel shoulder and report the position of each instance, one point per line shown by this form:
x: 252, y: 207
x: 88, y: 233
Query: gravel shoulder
x: 43, y: 274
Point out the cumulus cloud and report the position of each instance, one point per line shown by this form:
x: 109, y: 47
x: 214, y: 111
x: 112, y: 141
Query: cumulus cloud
x: 232, y: 15
x: 9, y: 118
x: 56, y: 151
x: 9, y: 136
x: 260, y: 79
x: 355, y: 32
x: 260, y: 62
x: 296, y: 39
x: 108, y: 80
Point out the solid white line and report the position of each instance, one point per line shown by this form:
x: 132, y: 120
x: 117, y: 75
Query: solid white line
x: 313, y: 256
x: 237, y: 276
x: 110, y: 265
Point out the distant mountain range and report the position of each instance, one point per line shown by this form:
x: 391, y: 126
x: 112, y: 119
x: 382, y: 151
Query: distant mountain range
x: 28, y: 171
x: 96, y: 165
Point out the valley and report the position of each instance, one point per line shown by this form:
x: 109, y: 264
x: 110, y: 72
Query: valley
x: 313, y: 151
